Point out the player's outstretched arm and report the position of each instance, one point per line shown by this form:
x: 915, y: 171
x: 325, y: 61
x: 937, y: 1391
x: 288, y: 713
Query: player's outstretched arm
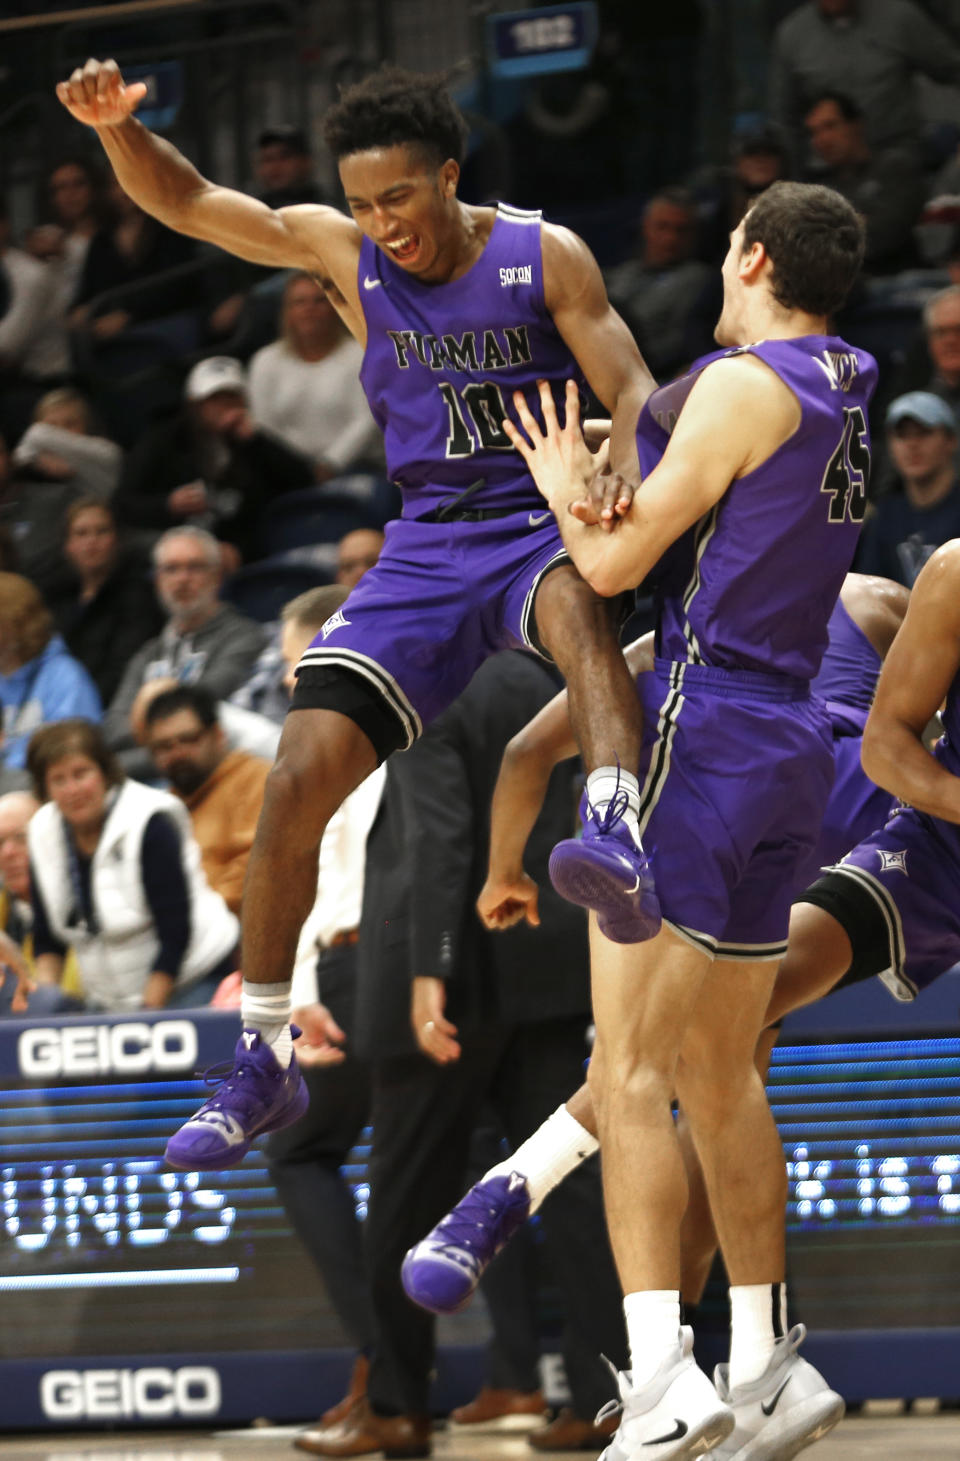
x: 164, y: 183
x: 509, y: 895
x: 917, y: 673
x: 737, y: 414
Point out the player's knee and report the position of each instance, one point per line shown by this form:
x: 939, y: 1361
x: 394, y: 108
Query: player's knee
x: 571, y: 618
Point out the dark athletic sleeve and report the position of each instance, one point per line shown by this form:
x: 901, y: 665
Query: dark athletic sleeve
x: 165, y: 885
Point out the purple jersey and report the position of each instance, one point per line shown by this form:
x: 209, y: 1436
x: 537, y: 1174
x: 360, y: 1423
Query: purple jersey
x: 442, y: 362
x: 848, y: 673
x: 752, y: 585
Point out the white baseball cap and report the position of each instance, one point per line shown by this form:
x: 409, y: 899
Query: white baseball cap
x: 219, y: 373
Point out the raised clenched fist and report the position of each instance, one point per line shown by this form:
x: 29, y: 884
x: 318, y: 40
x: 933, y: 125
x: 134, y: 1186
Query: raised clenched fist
x: 96, y: 94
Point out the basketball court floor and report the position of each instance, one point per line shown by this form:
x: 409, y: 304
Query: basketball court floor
x: 905, y: 1438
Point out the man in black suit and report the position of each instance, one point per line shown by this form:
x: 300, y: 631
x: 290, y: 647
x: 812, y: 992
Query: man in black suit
x: 451, y: 1016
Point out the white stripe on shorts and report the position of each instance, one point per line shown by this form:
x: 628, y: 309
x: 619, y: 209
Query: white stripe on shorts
x: 894, y: 978
x: 375, y: 675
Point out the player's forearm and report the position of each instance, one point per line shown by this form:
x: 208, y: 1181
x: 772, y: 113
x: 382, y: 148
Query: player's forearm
x: 151, y: 171
x: 517, y: 800
x: 623, y: 430
x: 894, y: 757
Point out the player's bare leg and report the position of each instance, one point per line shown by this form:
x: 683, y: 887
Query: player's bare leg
x: 606, y: 871
x: 323, y: 756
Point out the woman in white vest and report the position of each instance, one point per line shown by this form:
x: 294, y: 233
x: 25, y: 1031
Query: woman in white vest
x: 116, y: 875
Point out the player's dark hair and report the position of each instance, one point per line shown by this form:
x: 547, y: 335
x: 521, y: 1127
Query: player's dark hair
x: 815, y: 241
x: 393, y: 107
x: 183, y: 697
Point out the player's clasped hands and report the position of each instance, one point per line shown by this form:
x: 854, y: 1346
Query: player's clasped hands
x: 567, y: 473
x: 97, y: 96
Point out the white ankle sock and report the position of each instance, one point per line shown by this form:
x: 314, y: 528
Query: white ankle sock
x: 758, y: 1318
x: 546, y: 1157
x: 603, y: 785
x: 653, y: 1330
x: 266, y: 1007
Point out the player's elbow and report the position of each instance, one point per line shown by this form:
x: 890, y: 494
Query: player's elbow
x: 608, y: 580
x: 874, y: 758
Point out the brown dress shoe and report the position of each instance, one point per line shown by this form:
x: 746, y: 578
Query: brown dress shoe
x: 492, y: 1404
x: 363, y: 1433
x: 356, y: 1392
x: 567, y: 1432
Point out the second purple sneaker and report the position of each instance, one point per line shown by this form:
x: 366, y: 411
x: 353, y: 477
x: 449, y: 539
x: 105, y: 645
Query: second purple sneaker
x: 441, y: 1272
x: 255, y: 1096
x: 606, y: 871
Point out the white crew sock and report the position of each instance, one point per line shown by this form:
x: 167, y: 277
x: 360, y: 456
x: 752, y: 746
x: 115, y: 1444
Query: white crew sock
x: 266, y: 1007
x: 758, y: 1318
x: 546, y: 1157
x: 653, y: 1330
x: 603, y: 785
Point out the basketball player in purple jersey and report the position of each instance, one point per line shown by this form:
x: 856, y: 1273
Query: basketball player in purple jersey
x: 755, y: 470
x: 441, y: 1271
x: 458, y: 307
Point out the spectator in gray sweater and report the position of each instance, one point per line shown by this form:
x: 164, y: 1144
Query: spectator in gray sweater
x: 204, y: 641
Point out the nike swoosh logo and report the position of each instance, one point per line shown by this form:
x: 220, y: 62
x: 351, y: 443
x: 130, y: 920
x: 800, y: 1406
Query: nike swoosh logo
x: 369, y: 283
x: 674, y: 1435
x: 230, y: 1129
x: 769, y: 1409
x: 536, y: 518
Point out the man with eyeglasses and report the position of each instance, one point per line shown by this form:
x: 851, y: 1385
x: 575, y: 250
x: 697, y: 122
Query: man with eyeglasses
x: 204, y: 642
x: 909, y: 525
x: 941, y: 320
x: 221, y: 788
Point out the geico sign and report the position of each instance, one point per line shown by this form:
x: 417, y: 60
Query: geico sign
x: 151, y: 1393
x: 126, y: 1049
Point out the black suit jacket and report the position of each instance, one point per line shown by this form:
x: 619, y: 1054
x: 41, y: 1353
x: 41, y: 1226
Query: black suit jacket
x: 426, y: 863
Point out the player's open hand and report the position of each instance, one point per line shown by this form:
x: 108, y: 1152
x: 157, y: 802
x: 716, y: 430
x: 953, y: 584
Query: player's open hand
x: 607, y: 500
x: 505, y: 901
x: 97, y: 96
x: 557, y: 456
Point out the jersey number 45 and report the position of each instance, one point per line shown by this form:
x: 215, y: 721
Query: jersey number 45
x: 848, y: 470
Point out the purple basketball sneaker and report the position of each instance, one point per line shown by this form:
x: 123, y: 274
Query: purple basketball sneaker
x: 441, y: 1272
x: 605, y: 870
x: 256, y: 1096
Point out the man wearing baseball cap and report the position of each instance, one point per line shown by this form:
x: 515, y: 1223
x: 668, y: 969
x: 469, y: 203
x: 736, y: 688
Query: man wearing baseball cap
x: 209, y: 465
x: 924, y: 510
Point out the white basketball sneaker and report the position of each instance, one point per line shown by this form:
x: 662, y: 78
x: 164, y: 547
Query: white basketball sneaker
x: 788, y: 1408
x: 676, y: 1416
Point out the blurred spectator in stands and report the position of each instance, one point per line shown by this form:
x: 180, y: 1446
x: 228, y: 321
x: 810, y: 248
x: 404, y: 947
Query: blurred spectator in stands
x: 107, y: 609
x: 658, y: 291
x: 305, y: 387
x: 32, y: 518
x: 758, y: 158
x: 909, y: 525
x: 204, y: 642
x: 210, y: 465
x: 34, y: 353
x: 77, y: 195
x: 221, y: 789
x: 886, y: 187
x: 872, y: 53
x: 940, y: 371
x: 133, y: 248
x: 116, y: 875
x: 61, y: 445
x: 285, y: 167
x: 16, y: 918
x: 39, y: 681
x: 356, y: 552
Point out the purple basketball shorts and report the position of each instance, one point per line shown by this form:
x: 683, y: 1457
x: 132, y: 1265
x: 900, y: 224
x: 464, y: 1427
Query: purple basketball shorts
x: 735, y: 774
x: 911, y: 871
x: 441, y: 599
x: 856, y: 807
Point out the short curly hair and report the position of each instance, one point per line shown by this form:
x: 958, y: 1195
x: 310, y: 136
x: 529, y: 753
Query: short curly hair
x: 393, y: 107
x: 815, y: 241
